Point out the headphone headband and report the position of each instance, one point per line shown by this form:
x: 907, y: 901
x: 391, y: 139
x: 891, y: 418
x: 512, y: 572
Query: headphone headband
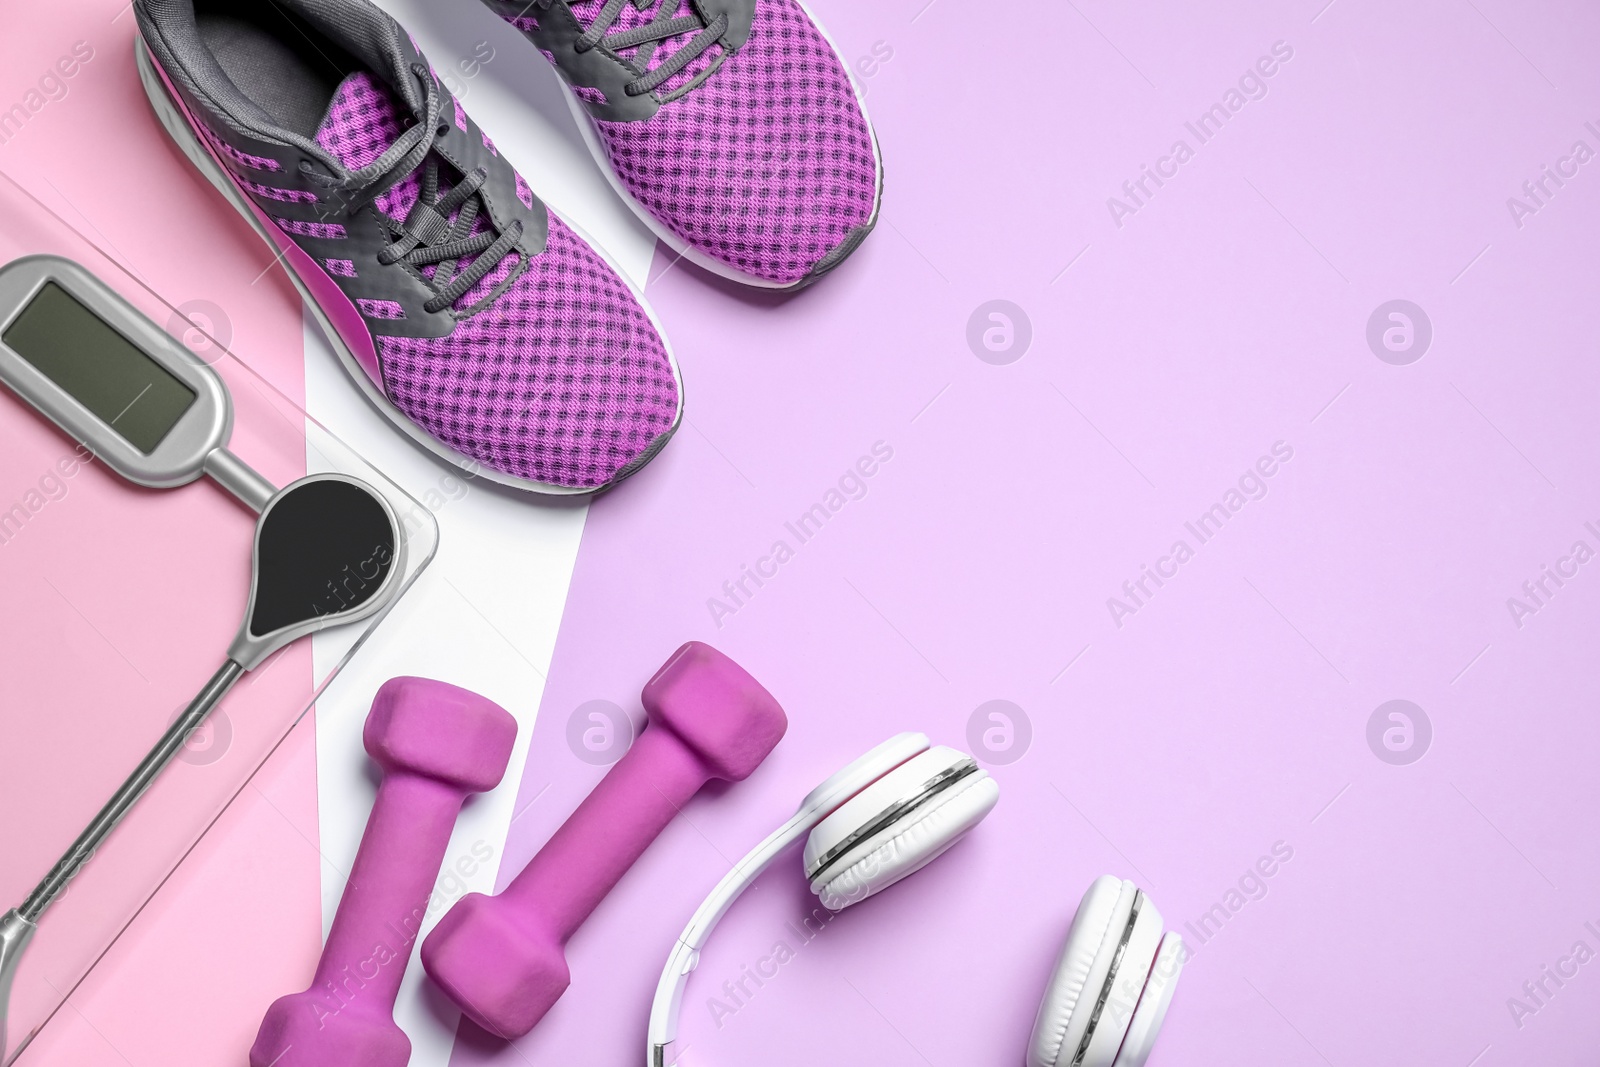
x: 818, y: 805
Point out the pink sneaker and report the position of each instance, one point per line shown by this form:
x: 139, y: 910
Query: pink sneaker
x: 474, y: 319
x: 730, y: 126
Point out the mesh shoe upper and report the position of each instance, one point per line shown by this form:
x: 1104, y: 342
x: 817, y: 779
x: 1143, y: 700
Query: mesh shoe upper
x: 490, y: 329
x: 767, y: 165
x: 562, y: 379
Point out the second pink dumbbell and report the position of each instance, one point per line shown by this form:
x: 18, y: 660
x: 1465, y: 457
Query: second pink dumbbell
x: 502, y: 959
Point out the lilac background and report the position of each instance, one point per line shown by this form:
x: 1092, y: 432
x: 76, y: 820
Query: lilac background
x: 1168, y: 354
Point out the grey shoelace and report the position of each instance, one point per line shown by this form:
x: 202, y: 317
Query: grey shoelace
x: 646, y: 38
x: 427, y: 236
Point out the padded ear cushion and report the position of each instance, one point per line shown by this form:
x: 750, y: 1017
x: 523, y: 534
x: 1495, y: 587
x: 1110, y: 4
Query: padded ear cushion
x: 1080, y: 971
x: 1152, y: 1009
x: 909, y: 844
x: 1123, y: 989
x: 883, y: 808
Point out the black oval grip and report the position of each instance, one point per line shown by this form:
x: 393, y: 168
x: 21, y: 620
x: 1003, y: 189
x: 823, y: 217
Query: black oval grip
x: 324, y: 548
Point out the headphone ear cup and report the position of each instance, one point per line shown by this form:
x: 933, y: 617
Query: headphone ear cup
x: 1153, y: 1002
x: 1109, y: 993
x: 1080, y: 971
x: 909, y: 844
x: 1124, y: 988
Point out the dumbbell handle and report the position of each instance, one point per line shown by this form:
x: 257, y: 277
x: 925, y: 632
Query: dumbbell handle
x: 386, y: 898
x: 613, y: 826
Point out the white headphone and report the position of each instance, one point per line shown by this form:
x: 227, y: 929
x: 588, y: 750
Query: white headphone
x: 889, y: 814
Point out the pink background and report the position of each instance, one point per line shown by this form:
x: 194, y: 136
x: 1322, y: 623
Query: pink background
x: 238, y: 921
x: 1230, y: 713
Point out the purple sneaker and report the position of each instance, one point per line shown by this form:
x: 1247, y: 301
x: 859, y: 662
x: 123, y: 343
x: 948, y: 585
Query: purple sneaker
x: 473, y: 318
x: 730, y: 126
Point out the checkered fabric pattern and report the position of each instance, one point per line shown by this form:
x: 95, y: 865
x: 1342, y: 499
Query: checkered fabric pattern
x: 562, y: 380
x: 381, y: 309
x: 324, y: 230
x: 768, y: 164
x: 364, y: 119
x: 285, y: 196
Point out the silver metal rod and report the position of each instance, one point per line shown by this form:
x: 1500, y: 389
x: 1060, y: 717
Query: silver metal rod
x: 15, y: 932
x: 238, y: 478
x: 130, y: 791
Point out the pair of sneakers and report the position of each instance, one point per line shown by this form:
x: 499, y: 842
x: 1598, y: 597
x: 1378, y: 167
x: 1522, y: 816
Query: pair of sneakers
x: 473, y: 317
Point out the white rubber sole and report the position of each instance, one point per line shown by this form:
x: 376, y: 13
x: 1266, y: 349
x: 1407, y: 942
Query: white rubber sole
x: 591, y: 137
x: 177, y: 126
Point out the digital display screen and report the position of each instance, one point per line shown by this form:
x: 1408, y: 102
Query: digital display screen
x: 105, y: 372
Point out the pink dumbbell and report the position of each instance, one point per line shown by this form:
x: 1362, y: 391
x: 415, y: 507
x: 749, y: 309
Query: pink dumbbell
x: 436, y: 743
x: 501, y: 959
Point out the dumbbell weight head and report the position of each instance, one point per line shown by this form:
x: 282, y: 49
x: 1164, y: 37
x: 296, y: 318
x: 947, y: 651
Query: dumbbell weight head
x: 441, y: 732
x: 501, y: 959
x: 712, y: 704
x: 436, y: 743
